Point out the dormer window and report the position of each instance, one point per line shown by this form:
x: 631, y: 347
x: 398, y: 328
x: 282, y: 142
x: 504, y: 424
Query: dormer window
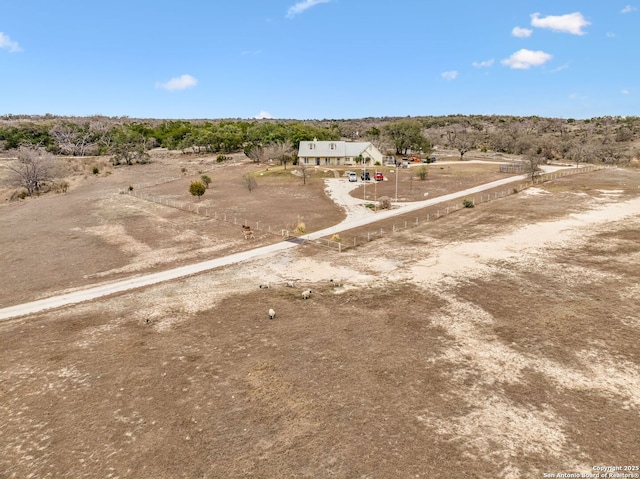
x: 332, y: 146
x: 312, y: 146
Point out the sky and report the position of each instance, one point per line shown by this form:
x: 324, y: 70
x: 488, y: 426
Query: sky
x: 319, y: 59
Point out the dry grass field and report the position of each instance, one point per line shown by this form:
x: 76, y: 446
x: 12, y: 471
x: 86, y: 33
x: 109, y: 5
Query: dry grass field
x: 499, y: 341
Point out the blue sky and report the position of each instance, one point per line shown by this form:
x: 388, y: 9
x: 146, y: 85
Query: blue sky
x: 319, y: 59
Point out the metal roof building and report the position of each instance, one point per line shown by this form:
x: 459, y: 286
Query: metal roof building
x: 337, y: 152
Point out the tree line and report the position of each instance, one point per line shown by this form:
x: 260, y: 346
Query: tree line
x: 127, y: 141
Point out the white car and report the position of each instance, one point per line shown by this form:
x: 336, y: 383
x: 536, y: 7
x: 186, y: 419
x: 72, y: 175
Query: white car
x: 352, y: 176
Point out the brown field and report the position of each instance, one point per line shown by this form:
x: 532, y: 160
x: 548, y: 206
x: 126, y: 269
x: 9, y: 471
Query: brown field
x: 499, y: 341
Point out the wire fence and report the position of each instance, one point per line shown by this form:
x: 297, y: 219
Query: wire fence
x: 359, y: 236
x: 363, y: 235
x: 208, y: 212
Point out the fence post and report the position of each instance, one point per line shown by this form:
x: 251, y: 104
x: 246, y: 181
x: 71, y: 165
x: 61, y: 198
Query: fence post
x: 416, y: 221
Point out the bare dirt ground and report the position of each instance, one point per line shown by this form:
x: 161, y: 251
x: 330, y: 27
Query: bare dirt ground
x: 499, y: 341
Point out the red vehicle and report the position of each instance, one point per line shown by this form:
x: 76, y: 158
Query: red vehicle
x: 378, y: 176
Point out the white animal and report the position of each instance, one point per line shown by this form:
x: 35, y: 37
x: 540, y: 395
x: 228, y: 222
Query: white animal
x: 306, y: 293
x: 265, y: 285
x: 272, y: 313
x: 291, y: 284
x: 336, y: 283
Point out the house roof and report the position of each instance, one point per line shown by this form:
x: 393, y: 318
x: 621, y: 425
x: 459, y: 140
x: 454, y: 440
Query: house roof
x: 332, y: 148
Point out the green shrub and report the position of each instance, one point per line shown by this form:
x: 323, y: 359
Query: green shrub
x: 467, y: 203
x: 197, y: 188
x: 95, y: 170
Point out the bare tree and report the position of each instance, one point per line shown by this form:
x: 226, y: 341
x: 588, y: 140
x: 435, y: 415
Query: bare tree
x: 32, y: 168
x: 280, y: 151
x: 532, y: 164
x: 102, y: 128
x: 460, y: 138
x: 249, y: 182
x: 73, y: 139
x: 303, y: 172
x: 255, y: 153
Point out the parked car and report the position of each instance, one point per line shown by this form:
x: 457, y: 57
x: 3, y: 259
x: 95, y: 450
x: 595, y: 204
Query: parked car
x: 365, y: 176
x: 378, y: 176
x: 430, y: 160
x: 352, y: 176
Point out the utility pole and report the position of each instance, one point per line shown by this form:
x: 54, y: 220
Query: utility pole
x: 397, y: 174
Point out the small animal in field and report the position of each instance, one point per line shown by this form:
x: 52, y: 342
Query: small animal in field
x: 272, y: 313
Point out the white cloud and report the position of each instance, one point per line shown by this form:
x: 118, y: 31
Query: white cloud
x: 302, y: 6
x: 521, y: 32
x: 263, y: 115
x: 628, y: 9
x: 6, y: 42
x: 483, y: 64
x: 610, y: 35
x: 625, y: 92
x: 451, y: 75
x: 524, y: 59
x: 180, y: 83
x: 560, y: 68
x: 570, y: 23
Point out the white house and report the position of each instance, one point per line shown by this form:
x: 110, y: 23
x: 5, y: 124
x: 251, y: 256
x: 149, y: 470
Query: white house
x: 336, y: 153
